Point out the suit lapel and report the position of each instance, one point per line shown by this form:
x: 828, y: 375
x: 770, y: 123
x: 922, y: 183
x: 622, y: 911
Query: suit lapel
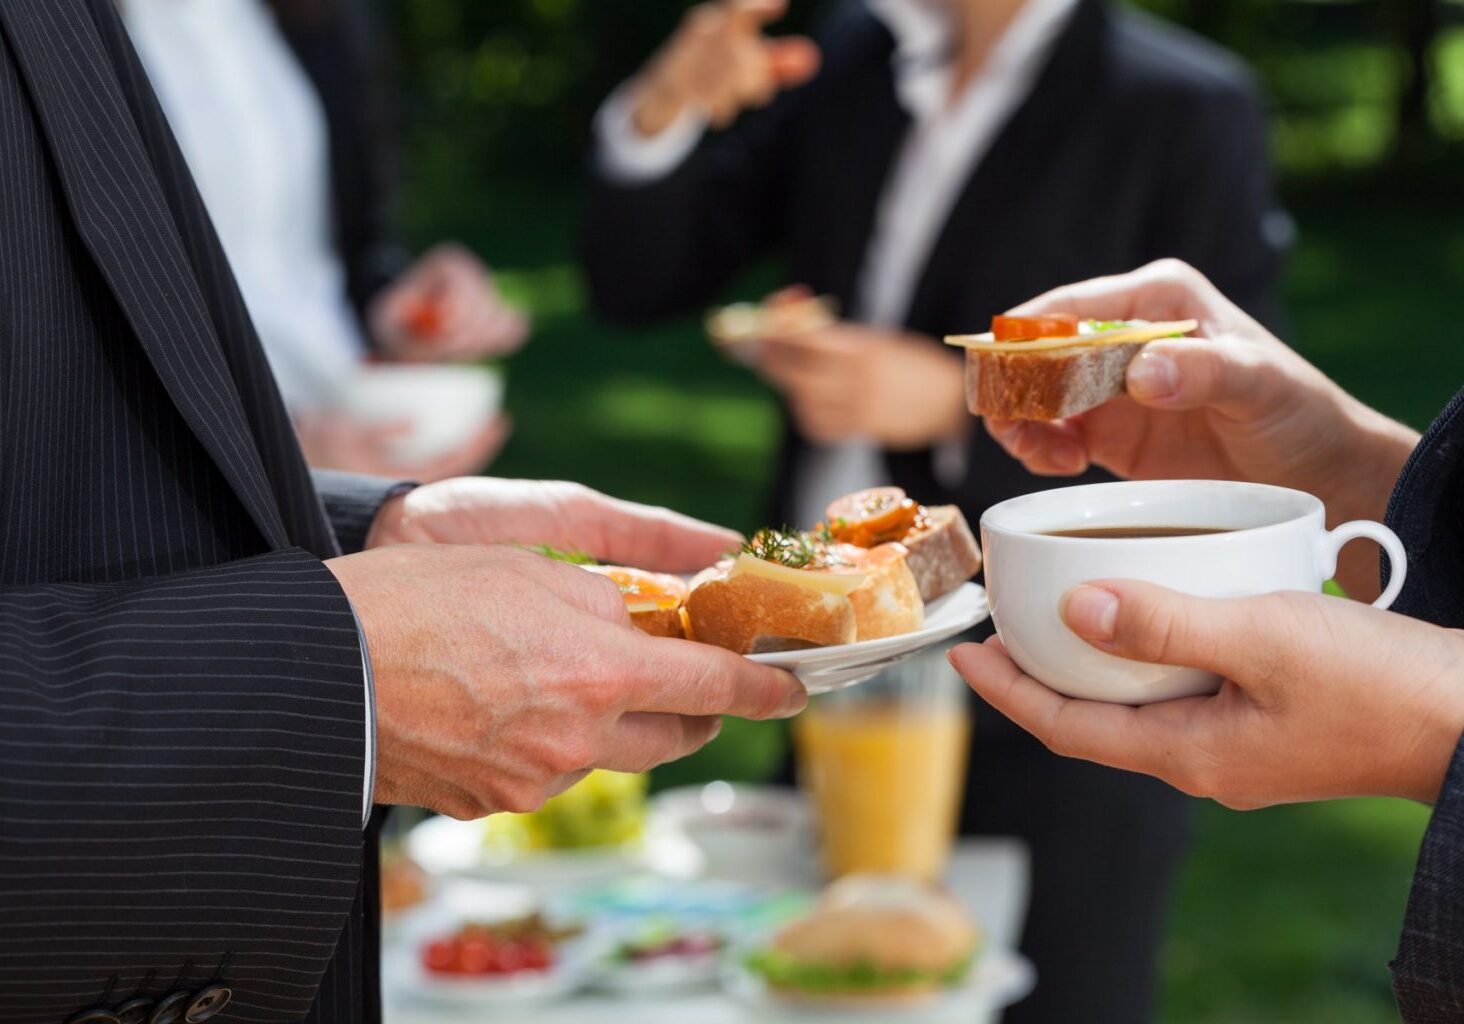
x: 123, y: 219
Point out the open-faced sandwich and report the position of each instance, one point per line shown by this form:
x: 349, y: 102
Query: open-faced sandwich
x: 790, y: 310
x: 871, y: 940
x: 788, y: 590
x: 656, y: 601
x: 939, y: 547
x: 1053, y: 366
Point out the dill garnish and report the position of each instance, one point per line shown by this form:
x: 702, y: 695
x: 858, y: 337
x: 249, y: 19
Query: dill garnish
x: 549, y: 551
x: 789, y: 547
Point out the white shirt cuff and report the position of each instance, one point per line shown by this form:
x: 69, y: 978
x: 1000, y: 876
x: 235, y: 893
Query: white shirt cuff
x: 368, y: 782
x: 627, y: 157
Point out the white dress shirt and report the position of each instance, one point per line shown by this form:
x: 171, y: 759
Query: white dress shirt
x: 947, y: 139
x: 253, y: 131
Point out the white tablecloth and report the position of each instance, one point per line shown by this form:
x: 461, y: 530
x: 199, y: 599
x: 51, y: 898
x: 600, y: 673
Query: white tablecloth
x: 989, y: 875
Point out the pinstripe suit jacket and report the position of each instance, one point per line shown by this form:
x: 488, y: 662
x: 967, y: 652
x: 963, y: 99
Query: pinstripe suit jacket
x: 181, y: 693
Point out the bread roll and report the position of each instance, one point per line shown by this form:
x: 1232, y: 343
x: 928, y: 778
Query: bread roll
x: 653, y: 599
x: 888, y: 603
x: 1051, y: 384
x: 752, y: 614
x: 943, y: 553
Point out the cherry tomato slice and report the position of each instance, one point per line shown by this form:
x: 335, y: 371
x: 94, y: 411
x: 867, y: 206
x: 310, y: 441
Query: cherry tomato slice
x: 874, y: 516
x: 1030, y: 328
x: 475, y: 956
x: 440, y: 957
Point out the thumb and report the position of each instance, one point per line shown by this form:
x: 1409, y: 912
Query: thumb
x: 1242, y: 638
x: 1198, y: 373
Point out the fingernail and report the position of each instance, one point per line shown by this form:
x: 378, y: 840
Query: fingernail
x: 1153, y: 377
x: 1091, y: 612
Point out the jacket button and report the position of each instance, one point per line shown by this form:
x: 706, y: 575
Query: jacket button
x: 100, y: 1015
x: 134, y: 1011
x: 208, y: 1003
x: 170, y: 1008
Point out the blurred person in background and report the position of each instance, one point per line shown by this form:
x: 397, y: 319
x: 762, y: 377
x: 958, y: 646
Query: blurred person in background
x: 928, y: 163
x: 275, y: 106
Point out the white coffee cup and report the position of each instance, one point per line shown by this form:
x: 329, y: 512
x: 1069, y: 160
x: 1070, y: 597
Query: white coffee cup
x: 1275, y: 539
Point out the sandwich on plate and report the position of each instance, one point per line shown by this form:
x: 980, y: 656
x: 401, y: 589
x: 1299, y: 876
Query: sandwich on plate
x: 871, y: 941
x: 1054, y: 366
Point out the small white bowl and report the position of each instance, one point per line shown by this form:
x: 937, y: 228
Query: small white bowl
x: 444, y: 406
x: 756, y: 834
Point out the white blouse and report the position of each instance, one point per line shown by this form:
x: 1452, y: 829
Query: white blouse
x: 253, y: 131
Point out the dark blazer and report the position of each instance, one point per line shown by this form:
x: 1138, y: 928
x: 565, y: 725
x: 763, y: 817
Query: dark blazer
x: 1427, y: 511
x: 1138, y: 141
x: 181, y: 679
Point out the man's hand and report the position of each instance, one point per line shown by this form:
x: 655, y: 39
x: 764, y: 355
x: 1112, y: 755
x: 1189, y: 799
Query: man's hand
x: 482, y: 510
x: 1236, y: 404
x: 850, y: 381
x: 719, y: 62
x: 502, y: 677
x: 1323, y: 697
x: 446, y: 307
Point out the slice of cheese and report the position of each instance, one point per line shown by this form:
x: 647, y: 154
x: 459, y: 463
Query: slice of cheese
x: 828, y: 582
x: 1138, y: 332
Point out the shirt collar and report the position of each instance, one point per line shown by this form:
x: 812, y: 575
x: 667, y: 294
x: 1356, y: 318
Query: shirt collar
x: 923, y: 33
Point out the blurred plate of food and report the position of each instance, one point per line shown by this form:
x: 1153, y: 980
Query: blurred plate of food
x: 443, y: 407
x: 492, y: 946
x: 660, y: 955
x: 877, y: 947
x: 594, y: 830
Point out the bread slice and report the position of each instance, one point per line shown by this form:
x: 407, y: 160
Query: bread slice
x: 1050, y: 384
x: 943, y: 552
x: 753, y: 614
x: 888, y: 603
x: 1053, y: 378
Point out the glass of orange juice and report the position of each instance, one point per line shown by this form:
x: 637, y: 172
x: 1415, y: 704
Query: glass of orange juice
x: 884, y: 763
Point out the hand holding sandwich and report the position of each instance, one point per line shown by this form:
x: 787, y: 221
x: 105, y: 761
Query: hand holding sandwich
x: 1235, y: 404
x: 719, y: 63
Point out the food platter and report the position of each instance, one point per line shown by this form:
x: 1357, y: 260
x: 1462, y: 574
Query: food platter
x: 822, y: 669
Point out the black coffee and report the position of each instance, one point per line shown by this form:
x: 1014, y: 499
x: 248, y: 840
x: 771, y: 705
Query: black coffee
x: 1128, y: 532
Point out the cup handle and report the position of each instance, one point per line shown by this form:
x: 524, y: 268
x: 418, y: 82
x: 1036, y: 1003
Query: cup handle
x: 1361, y: 529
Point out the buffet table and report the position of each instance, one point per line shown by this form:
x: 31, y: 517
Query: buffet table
x: 989, y: 875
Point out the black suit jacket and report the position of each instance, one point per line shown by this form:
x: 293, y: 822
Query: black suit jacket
x: 181, y: 685
x: 1427, y: 511
x: 1137, y: 142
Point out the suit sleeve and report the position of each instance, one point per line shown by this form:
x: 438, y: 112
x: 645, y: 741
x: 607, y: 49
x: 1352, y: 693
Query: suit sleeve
x: 1428, y: 971
x: 663, y: 246
x: 1218, y: 208
x: 180, y: 776
x: 351, y: 502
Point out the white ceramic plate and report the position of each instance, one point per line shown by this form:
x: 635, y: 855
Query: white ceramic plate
x: 999, y: 978
x: 460, y: 902
x: 822, y: 669
x: 445, y: 846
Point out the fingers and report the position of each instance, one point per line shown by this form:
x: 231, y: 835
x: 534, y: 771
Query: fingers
x: 642, y: 741
x: 1248, y: 639
x: 1047, y: 449
x: 656, y: 538
x: 1152, y: 739
x: 1162, y: 290
x: 1195, y: 373
x: 678, y: 677
x: 793, y: 60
